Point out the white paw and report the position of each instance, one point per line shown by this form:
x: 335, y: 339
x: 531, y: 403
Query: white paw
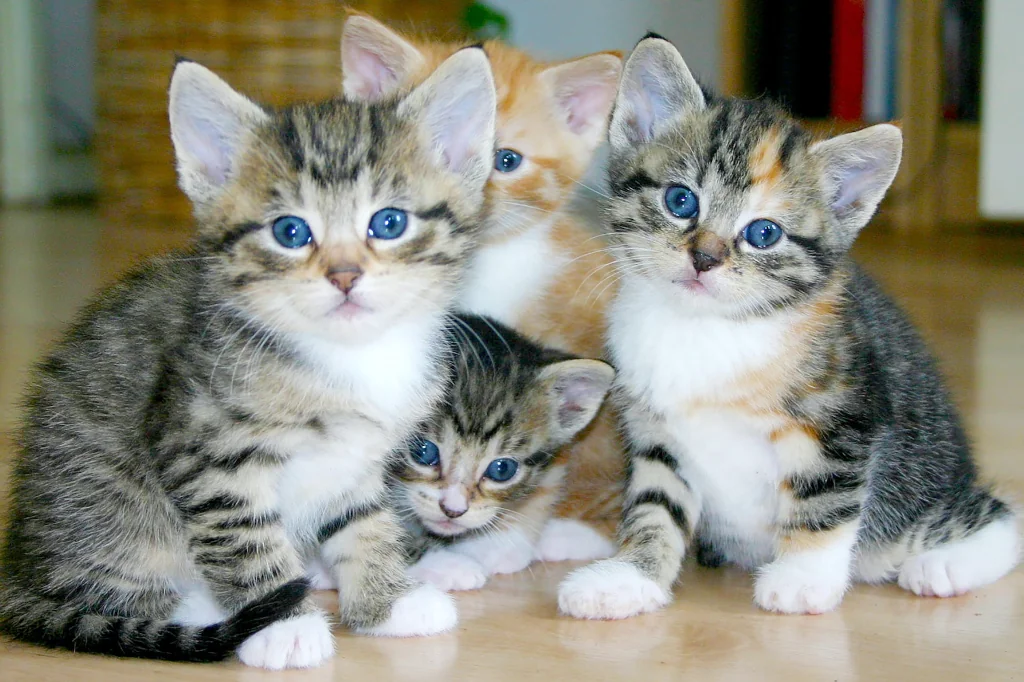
x: 300, y: 642
x: 568, y: 540
x: 609, y: 589
x: 319, y: 575
x: 424, y: 611
x: 790, y: 585
x: 449, y: 571
x: 500, y: 552
x: 959, y: 567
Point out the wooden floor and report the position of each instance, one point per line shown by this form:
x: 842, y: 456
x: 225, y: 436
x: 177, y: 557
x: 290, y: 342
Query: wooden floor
x: 967, y: 293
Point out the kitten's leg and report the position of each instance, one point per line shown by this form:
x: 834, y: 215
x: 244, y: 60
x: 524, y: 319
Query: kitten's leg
x: 365, y: 546
x: 974, y: 542
x: 812, y: 571
x: 240, y: 546
x: 449, y: 571
x: 819, y: 520
x: 660, y: 512
x: 571, y: 540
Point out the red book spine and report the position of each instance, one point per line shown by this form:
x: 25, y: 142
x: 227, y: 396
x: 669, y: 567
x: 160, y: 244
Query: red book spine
x: 848, y: 59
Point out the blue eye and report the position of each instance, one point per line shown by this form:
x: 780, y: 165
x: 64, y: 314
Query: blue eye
x: 681, y: 201
x: 507, y: 160
x: 425, y: 452
x: 292, y: 232
x: 762, y: 233
x: 388, y: 223
x: 502, y: 469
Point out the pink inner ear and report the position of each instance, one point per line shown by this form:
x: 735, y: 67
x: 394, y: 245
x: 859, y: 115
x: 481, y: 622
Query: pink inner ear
x: 587, y: 105
x: 366, y: 74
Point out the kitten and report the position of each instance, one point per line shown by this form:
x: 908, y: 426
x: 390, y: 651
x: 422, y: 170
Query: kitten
x: 539, y: 270
x: 781, y: 411
x: 225, y: 414
x: 477, y: 487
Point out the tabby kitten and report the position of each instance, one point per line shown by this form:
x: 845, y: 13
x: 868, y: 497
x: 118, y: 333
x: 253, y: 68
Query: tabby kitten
x: 224, y: 415
x: 479, y: 484
x: 539, y: 270
x: 781, y: 411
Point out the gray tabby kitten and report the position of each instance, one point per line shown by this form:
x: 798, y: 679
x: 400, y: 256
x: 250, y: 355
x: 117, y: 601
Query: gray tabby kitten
x: 224, y: 415
x: 479, y: 484
x: 782, y: 412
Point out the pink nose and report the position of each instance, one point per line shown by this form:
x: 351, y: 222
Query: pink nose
x: 345, y: 279
x: 451, y: 513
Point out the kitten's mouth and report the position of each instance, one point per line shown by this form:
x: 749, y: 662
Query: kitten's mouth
x: 349, y: 309
x: 694, y: 285
x: 445, y: 527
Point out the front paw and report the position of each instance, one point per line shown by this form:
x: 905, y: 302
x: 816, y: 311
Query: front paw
x: 498, y: 552
x: 785, y: 586
x: 609, y: 590
x: 568, y: 540
x: 449, y: 571
x: 301, y: 642
x: 424, y: 611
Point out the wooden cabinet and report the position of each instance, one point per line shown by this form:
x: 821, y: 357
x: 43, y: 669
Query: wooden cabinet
x: 273, y: 51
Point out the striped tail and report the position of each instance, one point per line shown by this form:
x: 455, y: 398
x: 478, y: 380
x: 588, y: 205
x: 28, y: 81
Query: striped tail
x: 61, y: 625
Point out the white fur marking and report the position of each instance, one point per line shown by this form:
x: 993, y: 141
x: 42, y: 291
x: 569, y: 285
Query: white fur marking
x: 499, y: 551
x: 609, y: 590
x: 504, y: 278
x: 569, y: 540
x: 424, y: 611
x: 810, y: 581
x: 449, y: 571
x: 959, y: 567
x: 198, y: 608
x: 300, y: 642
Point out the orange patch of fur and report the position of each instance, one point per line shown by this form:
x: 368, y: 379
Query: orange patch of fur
x: 806, y: 540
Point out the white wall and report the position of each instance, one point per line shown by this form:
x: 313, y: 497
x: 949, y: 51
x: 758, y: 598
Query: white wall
x: 1002, y: 112
x: 567, y: 28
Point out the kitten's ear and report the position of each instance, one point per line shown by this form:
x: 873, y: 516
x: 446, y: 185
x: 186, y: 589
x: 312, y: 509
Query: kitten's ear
x: 209, y: 124
x: 859, y: 167
x: 657, y: 87
x: 375, y: 61
x: 455, y: 109
x: 585, y: 89
x: 576, y: 389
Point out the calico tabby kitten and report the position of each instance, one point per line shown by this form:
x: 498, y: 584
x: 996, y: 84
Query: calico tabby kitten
x: 223, y: 415
x: 488, y: 460
x: 781, y: 411
x: 539, y: 270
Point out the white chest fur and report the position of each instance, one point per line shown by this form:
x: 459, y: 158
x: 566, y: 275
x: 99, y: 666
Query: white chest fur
x: 684, y: 370
x: 505, y: 277
x: 387, y: 386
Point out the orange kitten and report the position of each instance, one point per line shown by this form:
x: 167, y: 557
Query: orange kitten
x: 539, y: 269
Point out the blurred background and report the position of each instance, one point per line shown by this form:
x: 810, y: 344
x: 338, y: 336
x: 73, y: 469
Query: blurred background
x: 87, y: 181
x: 83, y: 82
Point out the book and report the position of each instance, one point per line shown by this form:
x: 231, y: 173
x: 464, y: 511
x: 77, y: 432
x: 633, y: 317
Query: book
x: 848, y: 17
x: 880, y: 54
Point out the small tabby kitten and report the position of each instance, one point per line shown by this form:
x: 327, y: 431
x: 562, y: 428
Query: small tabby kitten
x: 479, y: 485
x: 782, y: 413
x: 224, y: 415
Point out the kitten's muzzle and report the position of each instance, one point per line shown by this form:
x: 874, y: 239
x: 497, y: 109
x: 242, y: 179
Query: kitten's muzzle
x: 344, y: 279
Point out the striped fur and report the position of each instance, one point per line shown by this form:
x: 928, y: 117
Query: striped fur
x: 511, y: 399
x: 217, y: 418
x: 782, y: 412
